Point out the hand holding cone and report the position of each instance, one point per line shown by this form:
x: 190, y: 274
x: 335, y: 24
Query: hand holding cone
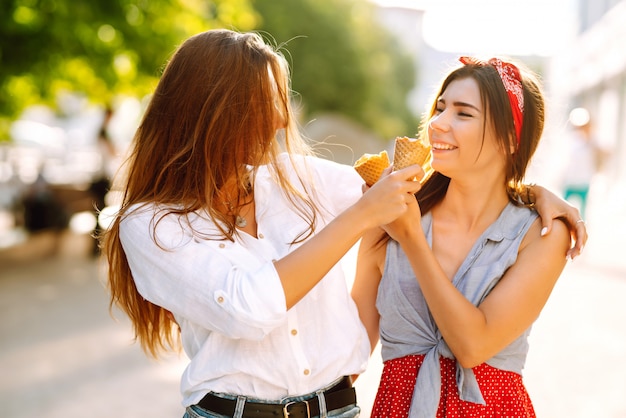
x: 407, y: 151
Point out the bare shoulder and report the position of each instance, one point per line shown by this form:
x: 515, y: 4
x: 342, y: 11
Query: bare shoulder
x: 559, y: 237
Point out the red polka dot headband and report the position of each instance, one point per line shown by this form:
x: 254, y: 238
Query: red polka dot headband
x: 510, y: 76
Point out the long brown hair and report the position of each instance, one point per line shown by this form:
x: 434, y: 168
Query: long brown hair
x: 214, y: 114
x: 495, y: 100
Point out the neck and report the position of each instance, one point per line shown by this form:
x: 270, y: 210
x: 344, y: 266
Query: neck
x: 234, y: 199
x: 235, y: 189
x: 473, y: 205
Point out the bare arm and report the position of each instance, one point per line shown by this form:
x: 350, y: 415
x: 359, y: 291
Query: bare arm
x: 300, y: 270
x: 370, y: 261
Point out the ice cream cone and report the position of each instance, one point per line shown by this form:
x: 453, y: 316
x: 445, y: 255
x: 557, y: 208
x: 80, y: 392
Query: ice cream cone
x: 371, y: 166
x: 408, y: 151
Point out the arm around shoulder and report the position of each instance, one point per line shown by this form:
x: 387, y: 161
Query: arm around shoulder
x: 550, y: 208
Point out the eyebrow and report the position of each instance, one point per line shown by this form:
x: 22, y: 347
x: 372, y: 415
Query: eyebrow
x: 459, y: 104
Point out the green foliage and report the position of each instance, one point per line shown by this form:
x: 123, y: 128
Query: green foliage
x: 100, y: 47
x: 342, y: 61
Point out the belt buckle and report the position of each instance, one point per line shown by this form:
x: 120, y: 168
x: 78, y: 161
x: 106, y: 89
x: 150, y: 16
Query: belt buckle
x: 286, y: 412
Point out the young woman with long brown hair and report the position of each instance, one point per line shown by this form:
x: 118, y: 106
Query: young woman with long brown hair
x: 235, y: 242
x: 455, y: 286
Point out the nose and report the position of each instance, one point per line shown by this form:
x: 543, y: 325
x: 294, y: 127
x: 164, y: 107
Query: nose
x: 438, y: 123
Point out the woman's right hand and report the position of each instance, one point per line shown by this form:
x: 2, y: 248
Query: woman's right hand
x: 390, y: 196
x: 382, y: 203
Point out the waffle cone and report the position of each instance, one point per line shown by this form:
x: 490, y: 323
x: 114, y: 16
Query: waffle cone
x: 408, y: 151
x: 370, y: 166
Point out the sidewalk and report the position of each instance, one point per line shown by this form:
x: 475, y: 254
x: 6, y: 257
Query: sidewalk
x: 61, y: 353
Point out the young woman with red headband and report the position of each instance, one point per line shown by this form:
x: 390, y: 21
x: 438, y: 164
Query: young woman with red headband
x: 459, y: 279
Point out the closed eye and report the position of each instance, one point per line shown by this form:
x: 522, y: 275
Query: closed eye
x: 466, y: 109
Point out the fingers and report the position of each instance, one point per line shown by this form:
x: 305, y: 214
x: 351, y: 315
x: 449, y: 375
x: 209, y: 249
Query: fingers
x: 547, y: 226
x: 577, y: 227
x: 581, y: 239
x: 581, y: 232
x: 404, y: 179
x: 578, y: 230
x: 392, y: 195
x: 411, y: 173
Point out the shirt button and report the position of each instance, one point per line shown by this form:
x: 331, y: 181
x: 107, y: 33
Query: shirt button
x: 222, y: 245
x: 220, y: 299
x: 307, y: 372
x: 261, y: 236
x: 294, y: 332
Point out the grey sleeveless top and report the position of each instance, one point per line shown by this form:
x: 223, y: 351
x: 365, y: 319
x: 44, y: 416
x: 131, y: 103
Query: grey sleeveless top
x: 406, y: 326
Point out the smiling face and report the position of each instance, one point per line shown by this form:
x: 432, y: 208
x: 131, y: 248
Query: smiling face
x: 462, y: 135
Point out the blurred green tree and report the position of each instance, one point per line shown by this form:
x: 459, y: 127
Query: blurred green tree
x: 100, y: 47
x: 343, y: 61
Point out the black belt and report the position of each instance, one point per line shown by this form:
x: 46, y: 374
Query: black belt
x: 338, y: 396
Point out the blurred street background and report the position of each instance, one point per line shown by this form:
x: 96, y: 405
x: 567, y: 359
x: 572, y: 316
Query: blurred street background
x: 75, y: 79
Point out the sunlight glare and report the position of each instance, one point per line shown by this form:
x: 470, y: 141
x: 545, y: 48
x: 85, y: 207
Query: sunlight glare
x: 509, y: 27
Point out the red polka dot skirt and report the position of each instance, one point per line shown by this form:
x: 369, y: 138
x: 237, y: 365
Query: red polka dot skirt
x: 503, y: 391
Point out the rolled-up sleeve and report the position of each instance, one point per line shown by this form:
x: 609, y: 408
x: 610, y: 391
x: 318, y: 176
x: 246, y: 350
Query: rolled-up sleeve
x: 219, y: 285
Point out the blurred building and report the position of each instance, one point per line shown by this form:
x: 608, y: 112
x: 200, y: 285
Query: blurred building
x: 590, y: 72
x: 577, y: 46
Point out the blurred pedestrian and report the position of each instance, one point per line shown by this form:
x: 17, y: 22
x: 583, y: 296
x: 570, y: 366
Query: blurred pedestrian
x: 583, y: 160
x: 455, y: 286
x: 101, y: 183
x: 42, y: 208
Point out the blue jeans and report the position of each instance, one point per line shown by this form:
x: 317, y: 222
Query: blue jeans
x: 349, y: 411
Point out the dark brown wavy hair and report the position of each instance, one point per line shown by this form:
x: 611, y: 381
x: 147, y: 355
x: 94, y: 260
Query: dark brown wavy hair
x: 498, y: 113
x: 214, y: 113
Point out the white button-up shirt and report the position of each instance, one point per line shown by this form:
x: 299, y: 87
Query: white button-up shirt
x: 229, y: 302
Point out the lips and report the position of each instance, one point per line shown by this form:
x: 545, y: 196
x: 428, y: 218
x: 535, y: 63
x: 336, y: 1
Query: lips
x: 442, y: 146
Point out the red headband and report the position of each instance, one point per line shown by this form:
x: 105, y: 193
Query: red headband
x: 510, y: 76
